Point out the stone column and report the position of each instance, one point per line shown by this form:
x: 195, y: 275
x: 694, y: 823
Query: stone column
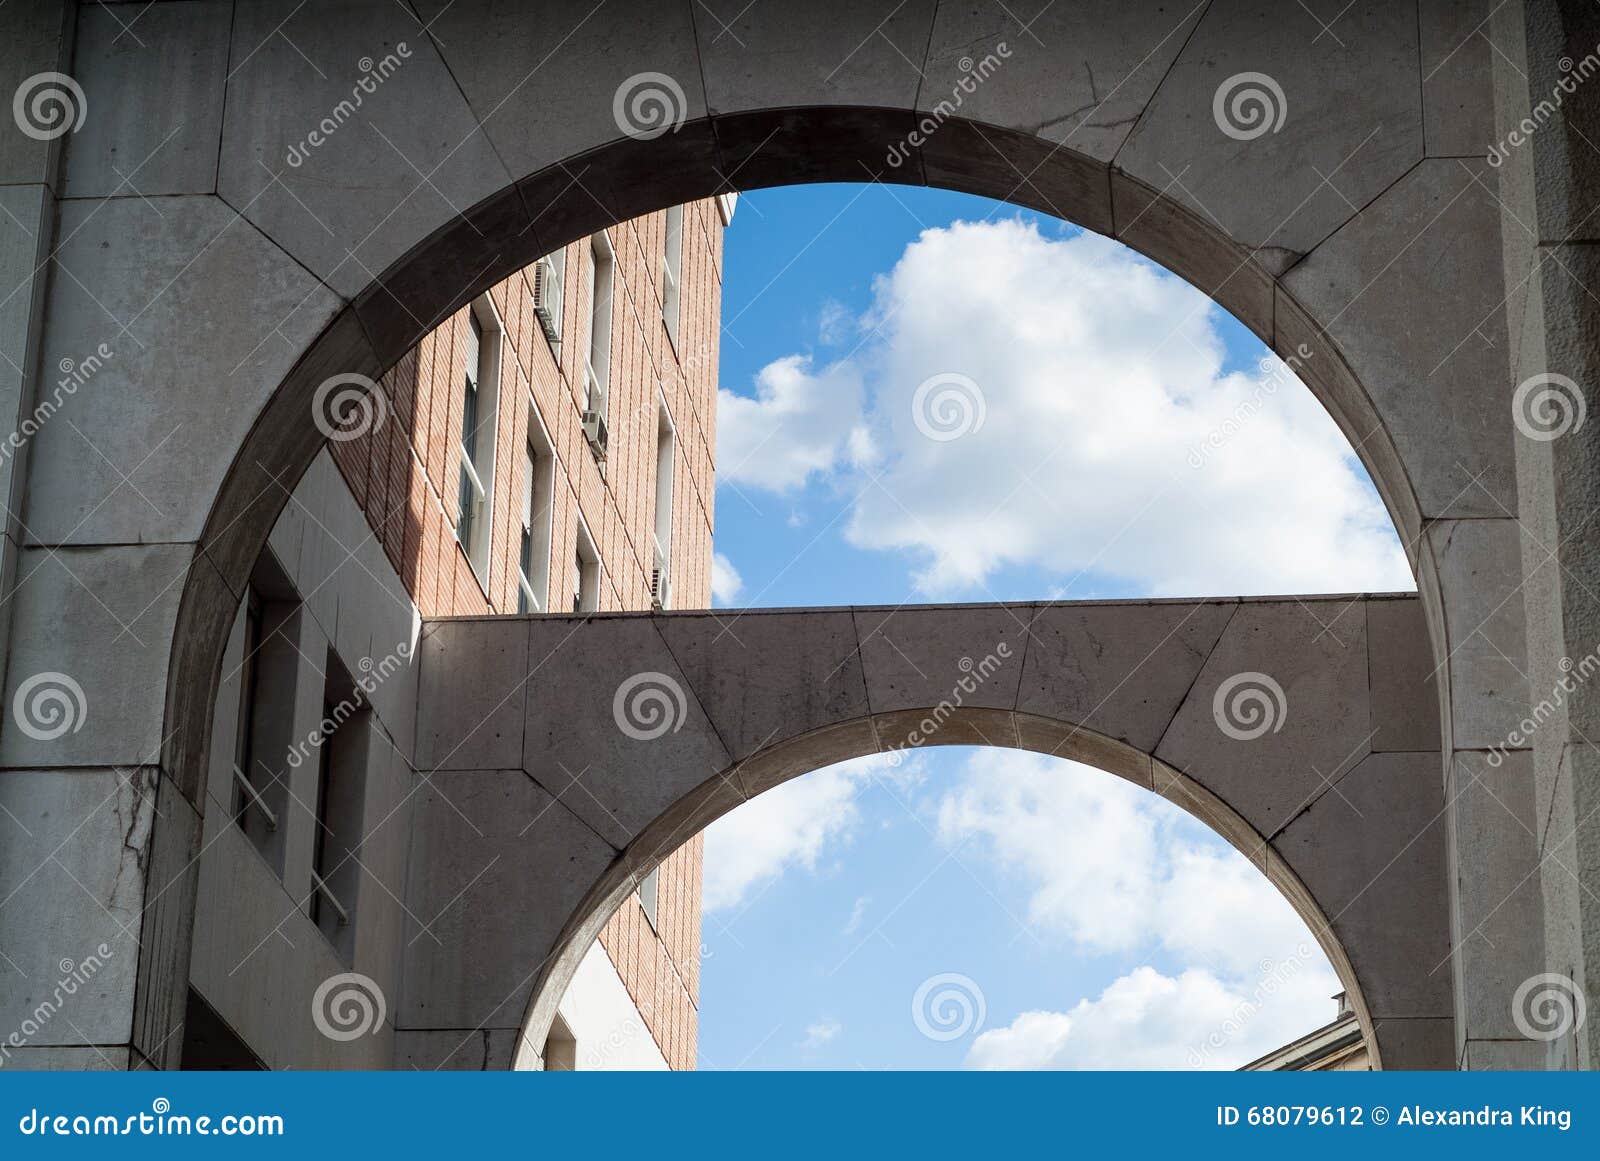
x: 1548, y: 96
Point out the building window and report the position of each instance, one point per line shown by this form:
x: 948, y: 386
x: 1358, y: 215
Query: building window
x: 672, y: 272
x: 538, y: 487
x: 479, y: 400
x: 650, y: 896
x: 597, y: 365
x: 560, y: 1048
x: 585, y: 574
x: 661, y: 562
x: 249, y: 679
x: 263, y: 755
x: 341, y: 802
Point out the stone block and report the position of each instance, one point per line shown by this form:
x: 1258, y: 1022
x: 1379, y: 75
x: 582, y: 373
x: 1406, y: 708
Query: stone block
x: 1278, y: 712
x: 1410, y: 289
x: 350, y: 154
x: 154, y: 90
x: 1119, y: 669
x: 473, y: 676
x: 1372, y: 853
x: 1498, y: 939
x: 614, y: 729
x: 1405, y: 697
x: 1478, y: 566
x: 1344, y: 114
x: 765, y: 677
x: 73, y: 858
x: 834, y: 52
x: 86, y: 621
x: 487, y: 900
x: 1119, y: 55
x: 193, y: 319
x: 918, y: 657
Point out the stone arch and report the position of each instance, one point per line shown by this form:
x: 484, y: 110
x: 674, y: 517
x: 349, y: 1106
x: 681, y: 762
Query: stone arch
x: 1337, y: 805
x: 1359, y: 229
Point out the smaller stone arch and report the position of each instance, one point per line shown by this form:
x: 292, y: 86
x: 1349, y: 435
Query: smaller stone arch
x: 567, y: 756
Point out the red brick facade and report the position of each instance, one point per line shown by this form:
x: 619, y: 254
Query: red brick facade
x: 404, y: 475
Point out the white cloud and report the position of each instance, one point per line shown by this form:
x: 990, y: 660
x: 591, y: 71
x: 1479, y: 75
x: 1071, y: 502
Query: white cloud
x: 1146, y: 1020
x: 790, y: 826
x: 821, y: 1032
x: 726, y: 583
x: 1100, y: 376
x: 797, y: 425
x: 1115, y: 868
x: 857, y: 914
x: 834, y: 322
x: 793, y: 826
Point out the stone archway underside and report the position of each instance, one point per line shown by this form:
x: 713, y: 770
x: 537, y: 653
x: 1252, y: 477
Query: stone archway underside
x: 546, y: 798
x: 1363, y: 235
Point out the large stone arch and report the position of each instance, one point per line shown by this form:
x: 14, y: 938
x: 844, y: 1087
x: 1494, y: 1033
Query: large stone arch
x: 569, y: 755
x: 1361, y: 236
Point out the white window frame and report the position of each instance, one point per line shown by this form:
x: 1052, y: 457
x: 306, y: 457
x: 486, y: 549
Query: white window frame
x: 672, y: 273
x: 538, y: 504
x: 587, y: 558
x: 478, y: 469
x: 602, y: 279
x: 665, y: 468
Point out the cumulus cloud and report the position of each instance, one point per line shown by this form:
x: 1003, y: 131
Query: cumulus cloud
x: 788, y: 826
x: 1112, y: 443
x: 800, y: 422
x: 726, y: 583
x: 1114, y: 868
x: 1147, y: 1020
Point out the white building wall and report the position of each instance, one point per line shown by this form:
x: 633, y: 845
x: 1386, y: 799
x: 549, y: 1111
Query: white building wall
x: 609, y: 1032
x: 258, y: 957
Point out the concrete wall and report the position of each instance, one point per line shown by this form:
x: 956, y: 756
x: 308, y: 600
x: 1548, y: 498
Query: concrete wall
x: 229, y: 283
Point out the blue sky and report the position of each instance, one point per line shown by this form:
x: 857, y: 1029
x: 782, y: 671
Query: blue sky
x: 1112, y: 438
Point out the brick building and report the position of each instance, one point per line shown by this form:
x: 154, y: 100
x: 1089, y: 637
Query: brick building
x: 549, y: 447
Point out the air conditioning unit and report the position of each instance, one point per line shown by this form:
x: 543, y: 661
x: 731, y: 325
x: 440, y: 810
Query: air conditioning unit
x: 594, y: 430
x: 547, y: 299
x: 660, y: 580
